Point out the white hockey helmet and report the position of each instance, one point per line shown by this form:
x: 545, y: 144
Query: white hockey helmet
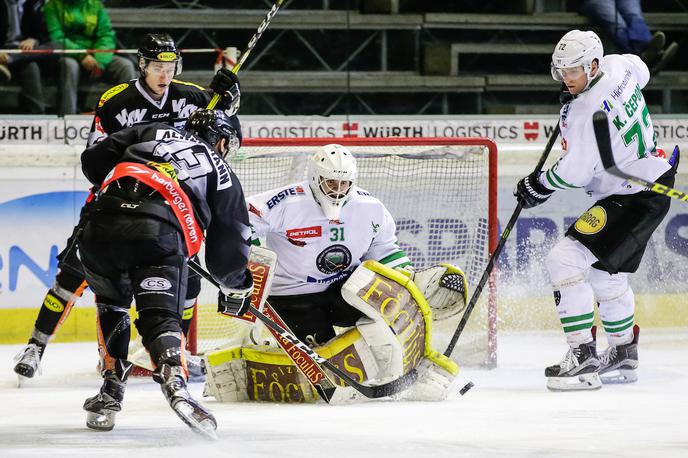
x: 576, y: 49
x: 332, y: 175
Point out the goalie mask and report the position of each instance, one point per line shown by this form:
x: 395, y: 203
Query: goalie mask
x: 212, y: 126
x: 159, y: 47
x: 332, y: 175
x: 575, y: 52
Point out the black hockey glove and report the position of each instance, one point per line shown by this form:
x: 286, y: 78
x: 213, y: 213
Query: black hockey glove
x: 226, y: 84
x: 530, y: 192
x: 235, y: 301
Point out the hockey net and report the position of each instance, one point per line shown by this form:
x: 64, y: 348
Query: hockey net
x: 442, y: 193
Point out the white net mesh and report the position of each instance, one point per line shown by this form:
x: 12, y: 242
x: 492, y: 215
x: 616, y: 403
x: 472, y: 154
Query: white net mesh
x: 438, y: 193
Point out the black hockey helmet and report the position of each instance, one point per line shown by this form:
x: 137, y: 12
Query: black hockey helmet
x: 211, y: 126
x: 158, y: 47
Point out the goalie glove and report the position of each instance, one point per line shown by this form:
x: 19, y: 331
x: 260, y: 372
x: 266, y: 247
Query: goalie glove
x: 235, y: 301
x: 445, y: 288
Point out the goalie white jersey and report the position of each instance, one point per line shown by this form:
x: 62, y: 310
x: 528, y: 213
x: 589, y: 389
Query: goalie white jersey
x: 313, y: 251
x: 618, y: 92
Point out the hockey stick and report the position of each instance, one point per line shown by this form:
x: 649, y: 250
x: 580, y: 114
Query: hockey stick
x: 251, y: 44
x: 495, y: 254
x: 378, y: 391
x: 601, y: 126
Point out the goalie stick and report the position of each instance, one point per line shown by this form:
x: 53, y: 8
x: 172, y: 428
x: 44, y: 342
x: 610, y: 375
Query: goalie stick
x: 600, y: 125
x: 498, y: 249
x: 377, y: 391
x: 251, y: 44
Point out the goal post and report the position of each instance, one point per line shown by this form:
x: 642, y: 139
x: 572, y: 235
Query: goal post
x: 442, y: 193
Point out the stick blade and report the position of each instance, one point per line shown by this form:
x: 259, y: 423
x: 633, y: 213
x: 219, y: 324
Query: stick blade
x: 600, y: 124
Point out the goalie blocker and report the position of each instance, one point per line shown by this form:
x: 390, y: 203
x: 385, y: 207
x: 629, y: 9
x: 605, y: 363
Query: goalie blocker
x: 393, y: 337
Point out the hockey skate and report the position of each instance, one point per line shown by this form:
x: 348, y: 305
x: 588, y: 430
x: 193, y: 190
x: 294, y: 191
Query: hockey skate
x: 28, y: 361
x: 578, y: 370
x: 101, y: 408
x: 191, y: 412
x: 618, y: 364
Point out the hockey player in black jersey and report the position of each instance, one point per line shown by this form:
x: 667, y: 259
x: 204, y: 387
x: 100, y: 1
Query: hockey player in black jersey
x: 157, y: 96
x: 159, y: 189
x: 154, y: 96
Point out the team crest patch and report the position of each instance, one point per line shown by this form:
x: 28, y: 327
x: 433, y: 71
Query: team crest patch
x: 334, y: 258
x: 592, y: 221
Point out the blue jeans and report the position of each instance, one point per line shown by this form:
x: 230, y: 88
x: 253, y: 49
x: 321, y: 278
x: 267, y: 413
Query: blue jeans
x: 622, y: 20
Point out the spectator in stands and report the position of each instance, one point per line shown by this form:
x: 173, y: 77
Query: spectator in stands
x: 623, y: 21
x: 23, y: 27
x: 84, y: 24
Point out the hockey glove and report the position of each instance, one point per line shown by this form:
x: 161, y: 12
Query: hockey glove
x: 235, y: 301
x: 226, y: 84
x: 530, y: 192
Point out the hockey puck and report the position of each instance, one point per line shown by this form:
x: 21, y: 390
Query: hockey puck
x: 465, y: 389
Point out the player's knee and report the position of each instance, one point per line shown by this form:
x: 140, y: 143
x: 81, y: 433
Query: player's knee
x: 69, y: 280
x: 567, y: 263
x: 608, y: 287
x: 154, y: 322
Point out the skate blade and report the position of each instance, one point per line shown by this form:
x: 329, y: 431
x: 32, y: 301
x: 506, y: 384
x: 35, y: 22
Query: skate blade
x: 205, y: 428
x: 582, y: 382
x: 100, y: 421
x: 21, y: 380
x: 619, y: 376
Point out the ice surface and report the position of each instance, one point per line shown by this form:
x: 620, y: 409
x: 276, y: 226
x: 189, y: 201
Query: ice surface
x: 508, y: 413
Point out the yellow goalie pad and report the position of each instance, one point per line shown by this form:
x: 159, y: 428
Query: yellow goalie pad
x: 266, y: 373
x: 377, y: 290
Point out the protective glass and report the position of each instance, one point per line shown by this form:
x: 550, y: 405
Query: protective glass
x: 167, y: 69
x: 560, y: 74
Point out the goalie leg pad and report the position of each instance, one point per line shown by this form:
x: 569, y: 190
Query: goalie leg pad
x: 267, y: 374
x: 385, y: 348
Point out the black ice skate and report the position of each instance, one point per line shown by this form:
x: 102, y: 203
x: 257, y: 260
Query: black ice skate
x: 187, y: 408
x: 28, y: 361
x: 618, y: 364
x: 577, y: 371
x: 101, y: 408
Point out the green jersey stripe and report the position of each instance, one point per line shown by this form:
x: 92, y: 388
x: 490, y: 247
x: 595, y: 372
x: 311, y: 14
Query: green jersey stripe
x: 551, y: 181
x: 394, y: 256
x: 562, y: 181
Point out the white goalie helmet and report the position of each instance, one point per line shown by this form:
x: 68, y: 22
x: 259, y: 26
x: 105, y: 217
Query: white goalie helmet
x: 332, y: 175
x: 576, y: 49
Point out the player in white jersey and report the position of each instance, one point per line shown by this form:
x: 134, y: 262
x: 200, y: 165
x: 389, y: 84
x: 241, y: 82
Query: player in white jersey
x: 593, y: 261
x: 322, y: 229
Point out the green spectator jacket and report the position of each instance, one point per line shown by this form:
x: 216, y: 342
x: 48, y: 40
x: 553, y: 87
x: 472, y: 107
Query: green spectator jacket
x: 81, y: 24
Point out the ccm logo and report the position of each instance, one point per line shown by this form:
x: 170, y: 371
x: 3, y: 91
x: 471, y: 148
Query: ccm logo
x: 156, y: 284
x: 304, y: 232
